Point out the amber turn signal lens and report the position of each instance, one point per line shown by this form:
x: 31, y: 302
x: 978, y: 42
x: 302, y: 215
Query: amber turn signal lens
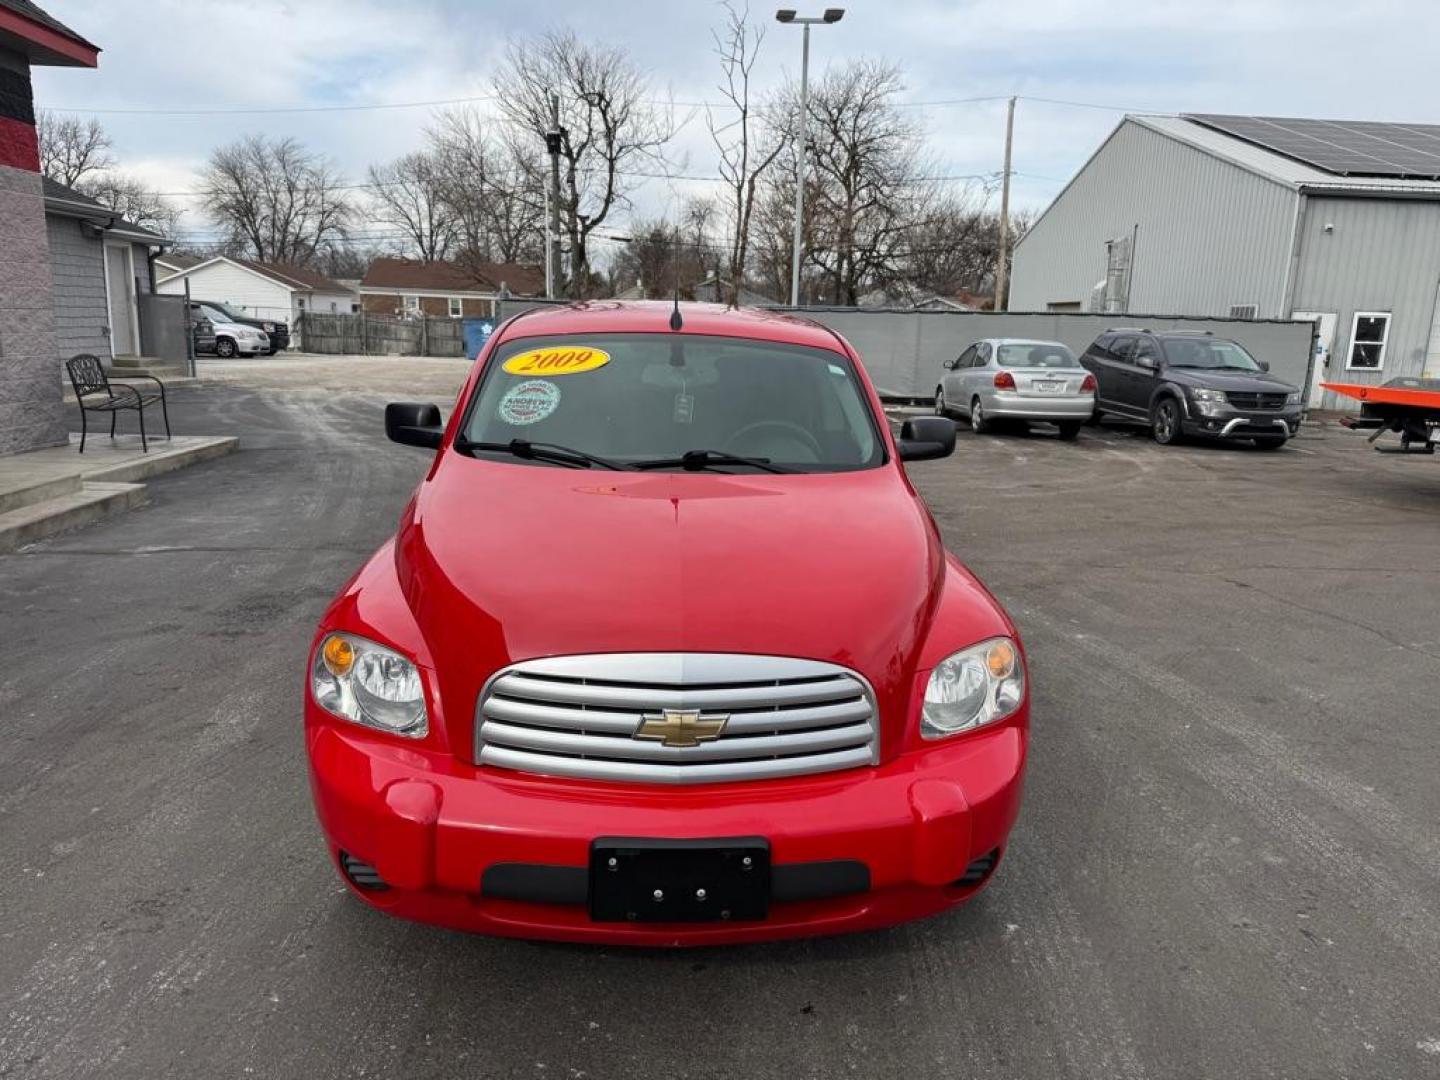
x: 1000, y: 659
x: 339, y: 656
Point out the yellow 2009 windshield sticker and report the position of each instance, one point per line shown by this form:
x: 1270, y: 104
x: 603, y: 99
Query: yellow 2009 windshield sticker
x: 557, y: 360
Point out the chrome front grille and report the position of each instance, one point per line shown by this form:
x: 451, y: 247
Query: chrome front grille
x: 581, y: 716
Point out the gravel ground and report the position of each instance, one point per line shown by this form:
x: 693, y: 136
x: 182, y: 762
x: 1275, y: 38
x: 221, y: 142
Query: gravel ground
x: 1227, y: 863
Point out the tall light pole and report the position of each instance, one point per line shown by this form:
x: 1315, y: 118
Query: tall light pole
x: 787, y: 15
x: 554, y: 143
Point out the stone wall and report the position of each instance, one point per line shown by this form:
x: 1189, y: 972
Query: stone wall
x: 30, y: 409
x: 31, y: 414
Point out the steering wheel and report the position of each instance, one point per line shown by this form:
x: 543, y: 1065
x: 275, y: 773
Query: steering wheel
x: 787, y: 427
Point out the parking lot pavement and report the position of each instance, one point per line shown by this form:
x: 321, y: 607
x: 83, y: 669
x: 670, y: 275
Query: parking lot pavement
x: 1226, y: 864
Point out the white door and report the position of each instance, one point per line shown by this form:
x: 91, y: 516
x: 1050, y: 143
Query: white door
x: 120, y: 286
x: 1324, y: 345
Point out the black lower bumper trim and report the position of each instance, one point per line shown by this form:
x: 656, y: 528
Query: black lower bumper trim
x: 537, y: 883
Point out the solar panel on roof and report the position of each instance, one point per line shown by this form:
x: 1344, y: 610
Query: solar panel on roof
x: 1340, y: 147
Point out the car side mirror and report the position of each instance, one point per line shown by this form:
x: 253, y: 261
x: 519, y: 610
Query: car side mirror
x: 926, y: 437
x: 414, y: 424
x: 1264, y: 364
x: 1148, y: 362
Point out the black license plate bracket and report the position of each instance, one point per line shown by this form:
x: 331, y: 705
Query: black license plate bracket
x: 707, y: 880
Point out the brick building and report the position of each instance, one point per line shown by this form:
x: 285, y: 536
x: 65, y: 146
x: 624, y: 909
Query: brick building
x: 30, y: 408
x: 407, y: 287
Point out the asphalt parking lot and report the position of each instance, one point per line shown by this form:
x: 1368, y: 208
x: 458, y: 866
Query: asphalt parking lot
x: 1227, y: 864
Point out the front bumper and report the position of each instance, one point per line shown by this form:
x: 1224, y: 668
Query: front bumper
x: 1010, y: 405
x: 434, y: 828
x: 251, y: 347
x: 1226, y: 423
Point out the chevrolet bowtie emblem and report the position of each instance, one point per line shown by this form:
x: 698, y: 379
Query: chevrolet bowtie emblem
x: 681, y: 727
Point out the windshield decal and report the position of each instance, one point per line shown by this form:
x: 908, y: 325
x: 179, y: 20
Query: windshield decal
x: 557, y: 360
x: 528, y: 403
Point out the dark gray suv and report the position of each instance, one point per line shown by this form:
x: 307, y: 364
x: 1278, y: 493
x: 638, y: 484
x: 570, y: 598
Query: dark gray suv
x: 1181, y: 383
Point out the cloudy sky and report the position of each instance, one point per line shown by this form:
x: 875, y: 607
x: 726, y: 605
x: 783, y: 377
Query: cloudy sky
x: 1093, y: 60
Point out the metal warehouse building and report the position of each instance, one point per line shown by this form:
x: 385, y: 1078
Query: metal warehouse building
x: 1254, y: 217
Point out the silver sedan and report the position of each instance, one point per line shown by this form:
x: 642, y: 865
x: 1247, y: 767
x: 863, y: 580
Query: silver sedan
x: 1016, y: 379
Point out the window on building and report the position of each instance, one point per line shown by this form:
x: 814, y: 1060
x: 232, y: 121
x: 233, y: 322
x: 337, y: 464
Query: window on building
x: 412, y: 305
x: 454, y: 307
x: 1367, y: 340
x: 300, y: 302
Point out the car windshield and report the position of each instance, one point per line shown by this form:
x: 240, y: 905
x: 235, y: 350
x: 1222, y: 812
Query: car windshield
x: 648, y: 399
x: 1032, y: 354
x: 216, y: 313
x: 1208, y: 353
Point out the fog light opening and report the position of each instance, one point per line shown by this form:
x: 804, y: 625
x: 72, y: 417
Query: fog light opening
x: 979, y: 870
x: 361, y: 874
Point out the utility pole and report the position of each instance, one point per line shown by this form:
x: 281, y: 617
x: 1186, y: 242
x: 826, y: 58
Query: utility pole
x: 554, y: 139
x: 787, y: 15
x: 1002, y: 257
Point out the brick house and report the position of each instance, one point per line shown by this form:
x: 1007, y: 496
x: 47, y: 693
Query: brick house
x: 31, y: 414
x: 407, y: 287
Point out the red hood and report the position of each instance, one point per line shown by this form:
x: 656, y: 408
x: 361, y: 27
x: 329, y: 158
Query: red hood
x: 503, y: 562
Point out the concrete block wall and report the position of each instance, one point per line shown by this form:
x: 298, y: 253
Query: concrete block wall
x: 31, y: 414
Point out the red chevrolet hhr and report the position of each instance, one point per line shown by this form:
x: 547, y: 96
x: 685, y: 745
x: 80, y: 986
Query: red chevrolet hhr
x: 666, y: 649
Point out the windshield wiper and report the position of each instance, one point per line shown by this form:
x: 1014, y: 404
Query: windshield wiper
x: 540, y: 451
x: 695, y: 460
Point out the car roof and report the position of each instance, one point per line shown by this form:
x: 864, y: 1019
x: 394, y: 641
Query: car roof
x: 653, y: 317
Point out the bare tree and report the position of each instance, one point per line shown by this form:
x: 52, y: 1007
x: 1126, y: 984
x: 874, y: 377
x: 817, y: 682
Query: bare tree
x: 608, y: 128
x: 747, y: 145
x: 410, y: 196
x: 132, y: 200
x: 666, y: 258
x: 490, y: 191
x: 72, y: 149
x: 277, y: 201
x: 953, y: 250
x: 868, y: 188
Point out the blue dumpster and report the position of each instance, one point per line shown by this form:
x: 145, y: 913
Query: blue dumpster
x: 475, y: 332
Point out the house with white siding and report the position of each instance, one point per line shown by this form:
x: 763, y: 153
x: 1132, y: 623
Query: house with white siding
x: 1336, y: 223
x: 262, y: 290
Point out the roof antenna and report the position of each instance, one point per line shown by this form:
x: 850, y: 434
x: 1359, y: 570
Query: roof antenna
x: 676, y: 322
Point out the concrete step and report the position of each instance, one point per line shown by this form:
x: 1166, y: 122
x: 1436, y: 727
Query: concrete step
x: 164, y: 372
x: 90, y: 503
x: 162, y: 458
x: 15, y: 493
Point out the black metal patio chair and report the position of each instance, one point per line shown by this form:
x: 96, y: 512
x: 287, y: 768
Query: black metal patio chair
x: 87, y: 376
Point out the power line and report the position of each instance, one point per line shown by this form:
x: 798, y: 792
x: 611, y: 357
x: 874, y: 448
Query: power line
x: 271, y: 110
x: 370, y: 186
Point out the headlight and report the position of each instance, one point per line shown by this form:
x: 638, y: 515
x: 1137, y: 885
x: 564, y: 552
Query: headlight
x: 1214, y: 397
x: 973, y: 687
x: 368, y: 684
x: 268, y: 327
x: 1292, y: 398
